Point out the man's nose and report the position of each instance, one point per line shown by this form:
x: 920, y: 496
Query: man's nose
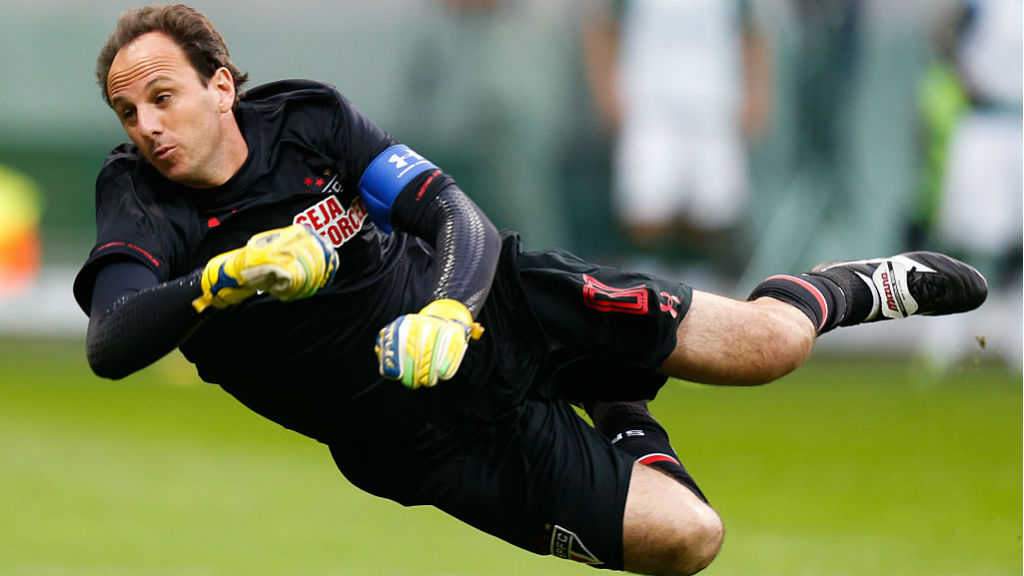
x: 150, y: 122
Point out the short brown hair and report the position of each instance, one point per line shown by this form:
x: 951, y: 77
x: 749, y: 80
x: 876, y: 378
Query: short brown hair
x: 190, y: 29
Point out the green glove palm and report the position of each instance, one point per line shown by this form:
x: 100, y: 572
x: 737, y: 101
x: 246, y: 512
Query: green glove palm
x: 420, y: 349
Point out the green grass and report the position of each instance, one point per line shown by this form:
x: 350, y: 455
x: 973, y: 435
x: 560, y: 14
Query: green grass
x: 846, y: 467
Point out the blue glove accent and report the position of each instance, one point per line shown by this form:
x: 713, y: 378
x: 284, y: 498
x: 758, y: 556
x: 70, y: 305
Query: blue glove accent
x: 389, y: 347
x: 385, y: 177
x: 224, y: 280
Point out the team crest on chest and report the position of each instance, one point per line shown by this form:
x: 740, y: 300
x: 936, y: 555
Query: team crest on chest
x: 322, y: 180
x: 332, y: 221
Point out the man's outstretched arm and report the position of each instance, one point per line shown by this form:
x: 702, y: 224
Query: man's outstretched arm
x: 136, y: 320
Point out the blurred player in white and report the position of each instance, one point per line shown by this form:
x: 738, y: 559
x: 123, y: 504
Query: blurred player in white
x: 689, y: 83
x: 981, y: 209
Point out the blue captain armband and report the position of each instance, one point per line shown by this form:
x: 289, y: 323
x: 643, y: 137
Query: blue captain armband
x: 385, y: 177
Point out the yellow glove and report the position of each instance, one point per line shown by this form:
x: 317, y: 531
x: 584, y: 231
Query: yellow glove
x: 289, y: 263
x: 420, y: 349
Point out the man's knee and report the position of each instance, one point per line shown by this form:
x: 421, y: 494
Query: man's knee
x: 697, y: 545
x: 784, y: 341
x: 707, y: 541
x: 667, y: 530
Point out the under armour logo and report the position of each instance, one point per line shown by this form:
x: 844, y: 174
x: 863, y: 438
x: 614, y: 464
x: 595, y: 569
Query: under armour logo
x: 670, y: 304
x: 402, y: 161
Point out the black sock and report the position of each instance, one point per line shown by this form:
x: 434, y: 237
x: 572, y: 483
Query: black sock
x: 862, y: 299
x: 631, y: 428
x: 821, y: 299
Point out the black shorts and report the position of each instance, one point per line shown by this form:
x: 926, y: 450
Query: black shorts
x: 605, y: 330
x: 500, y: 446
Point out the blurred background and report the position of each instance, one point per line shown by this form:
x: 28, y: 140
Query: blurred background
x: 716, y: 142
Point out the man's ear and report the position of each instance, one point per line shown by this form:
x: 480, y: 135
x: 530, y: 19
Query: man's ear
x: 225, y: 86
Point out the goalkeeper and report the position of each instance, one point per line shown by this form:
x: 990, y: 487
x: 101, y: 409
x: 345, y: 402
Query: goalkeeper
x: 340, y: 284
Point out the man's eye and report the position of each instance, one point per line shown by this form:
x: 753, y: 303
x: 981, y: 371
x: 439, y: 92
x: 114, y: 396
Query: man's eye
x: 127, y: 114
x: 162, y: 98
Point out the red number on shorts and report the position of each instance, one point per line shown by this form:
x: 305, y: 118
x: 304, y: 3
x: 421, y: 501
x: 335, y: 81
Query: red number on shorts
x: 607, y: 299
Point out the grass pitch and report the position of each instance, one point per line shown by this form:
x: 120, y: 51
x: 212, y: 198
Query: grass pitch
x: 845, y: 467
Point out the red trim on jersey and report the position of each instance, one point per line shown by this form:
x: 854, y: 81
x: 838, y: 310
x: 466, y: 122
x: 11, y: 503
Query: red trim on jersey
x: 148, y: 256
x: 423, y: 188
x: 657, y: 457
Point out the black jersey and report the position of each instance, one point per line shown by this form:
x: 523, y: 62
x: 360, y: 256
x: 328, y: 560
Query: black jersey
x: 488, y: 446
x: 308, y: 148
x: 315, y: 160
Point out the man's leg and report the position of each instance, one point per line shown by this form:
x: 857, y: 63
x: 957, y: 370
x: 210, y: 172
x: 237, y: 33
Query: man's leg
x: 631, y: 427
x: 732, y: 342
x: 724, y: 341
x: 668, y: 527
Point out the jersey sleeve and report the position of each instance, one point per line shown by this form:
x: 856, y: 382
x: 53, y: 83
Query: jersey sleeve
x: 129, y: 226
x: 402, y: 189
x: 466, y: 243
x: 360, y: 146
x: 386, y: 176
x: 135, y: 321
x: 358, y: 139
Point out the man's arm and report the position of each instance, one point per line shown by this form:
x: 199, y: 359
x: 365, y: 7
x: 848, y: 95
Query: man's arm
x: 466, y: 243
x: 137, y: 320
x: 404, y: 190
x: 421, y: 349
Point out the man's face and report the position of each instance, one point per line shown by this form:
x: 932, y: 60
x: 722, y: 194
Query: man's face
x: 178, y: 123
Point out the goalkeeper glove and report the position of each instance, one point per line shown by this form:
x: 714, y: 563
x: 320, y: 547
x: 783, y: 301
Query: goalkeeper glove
x: 420, y: 349
x: 289, y: 263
